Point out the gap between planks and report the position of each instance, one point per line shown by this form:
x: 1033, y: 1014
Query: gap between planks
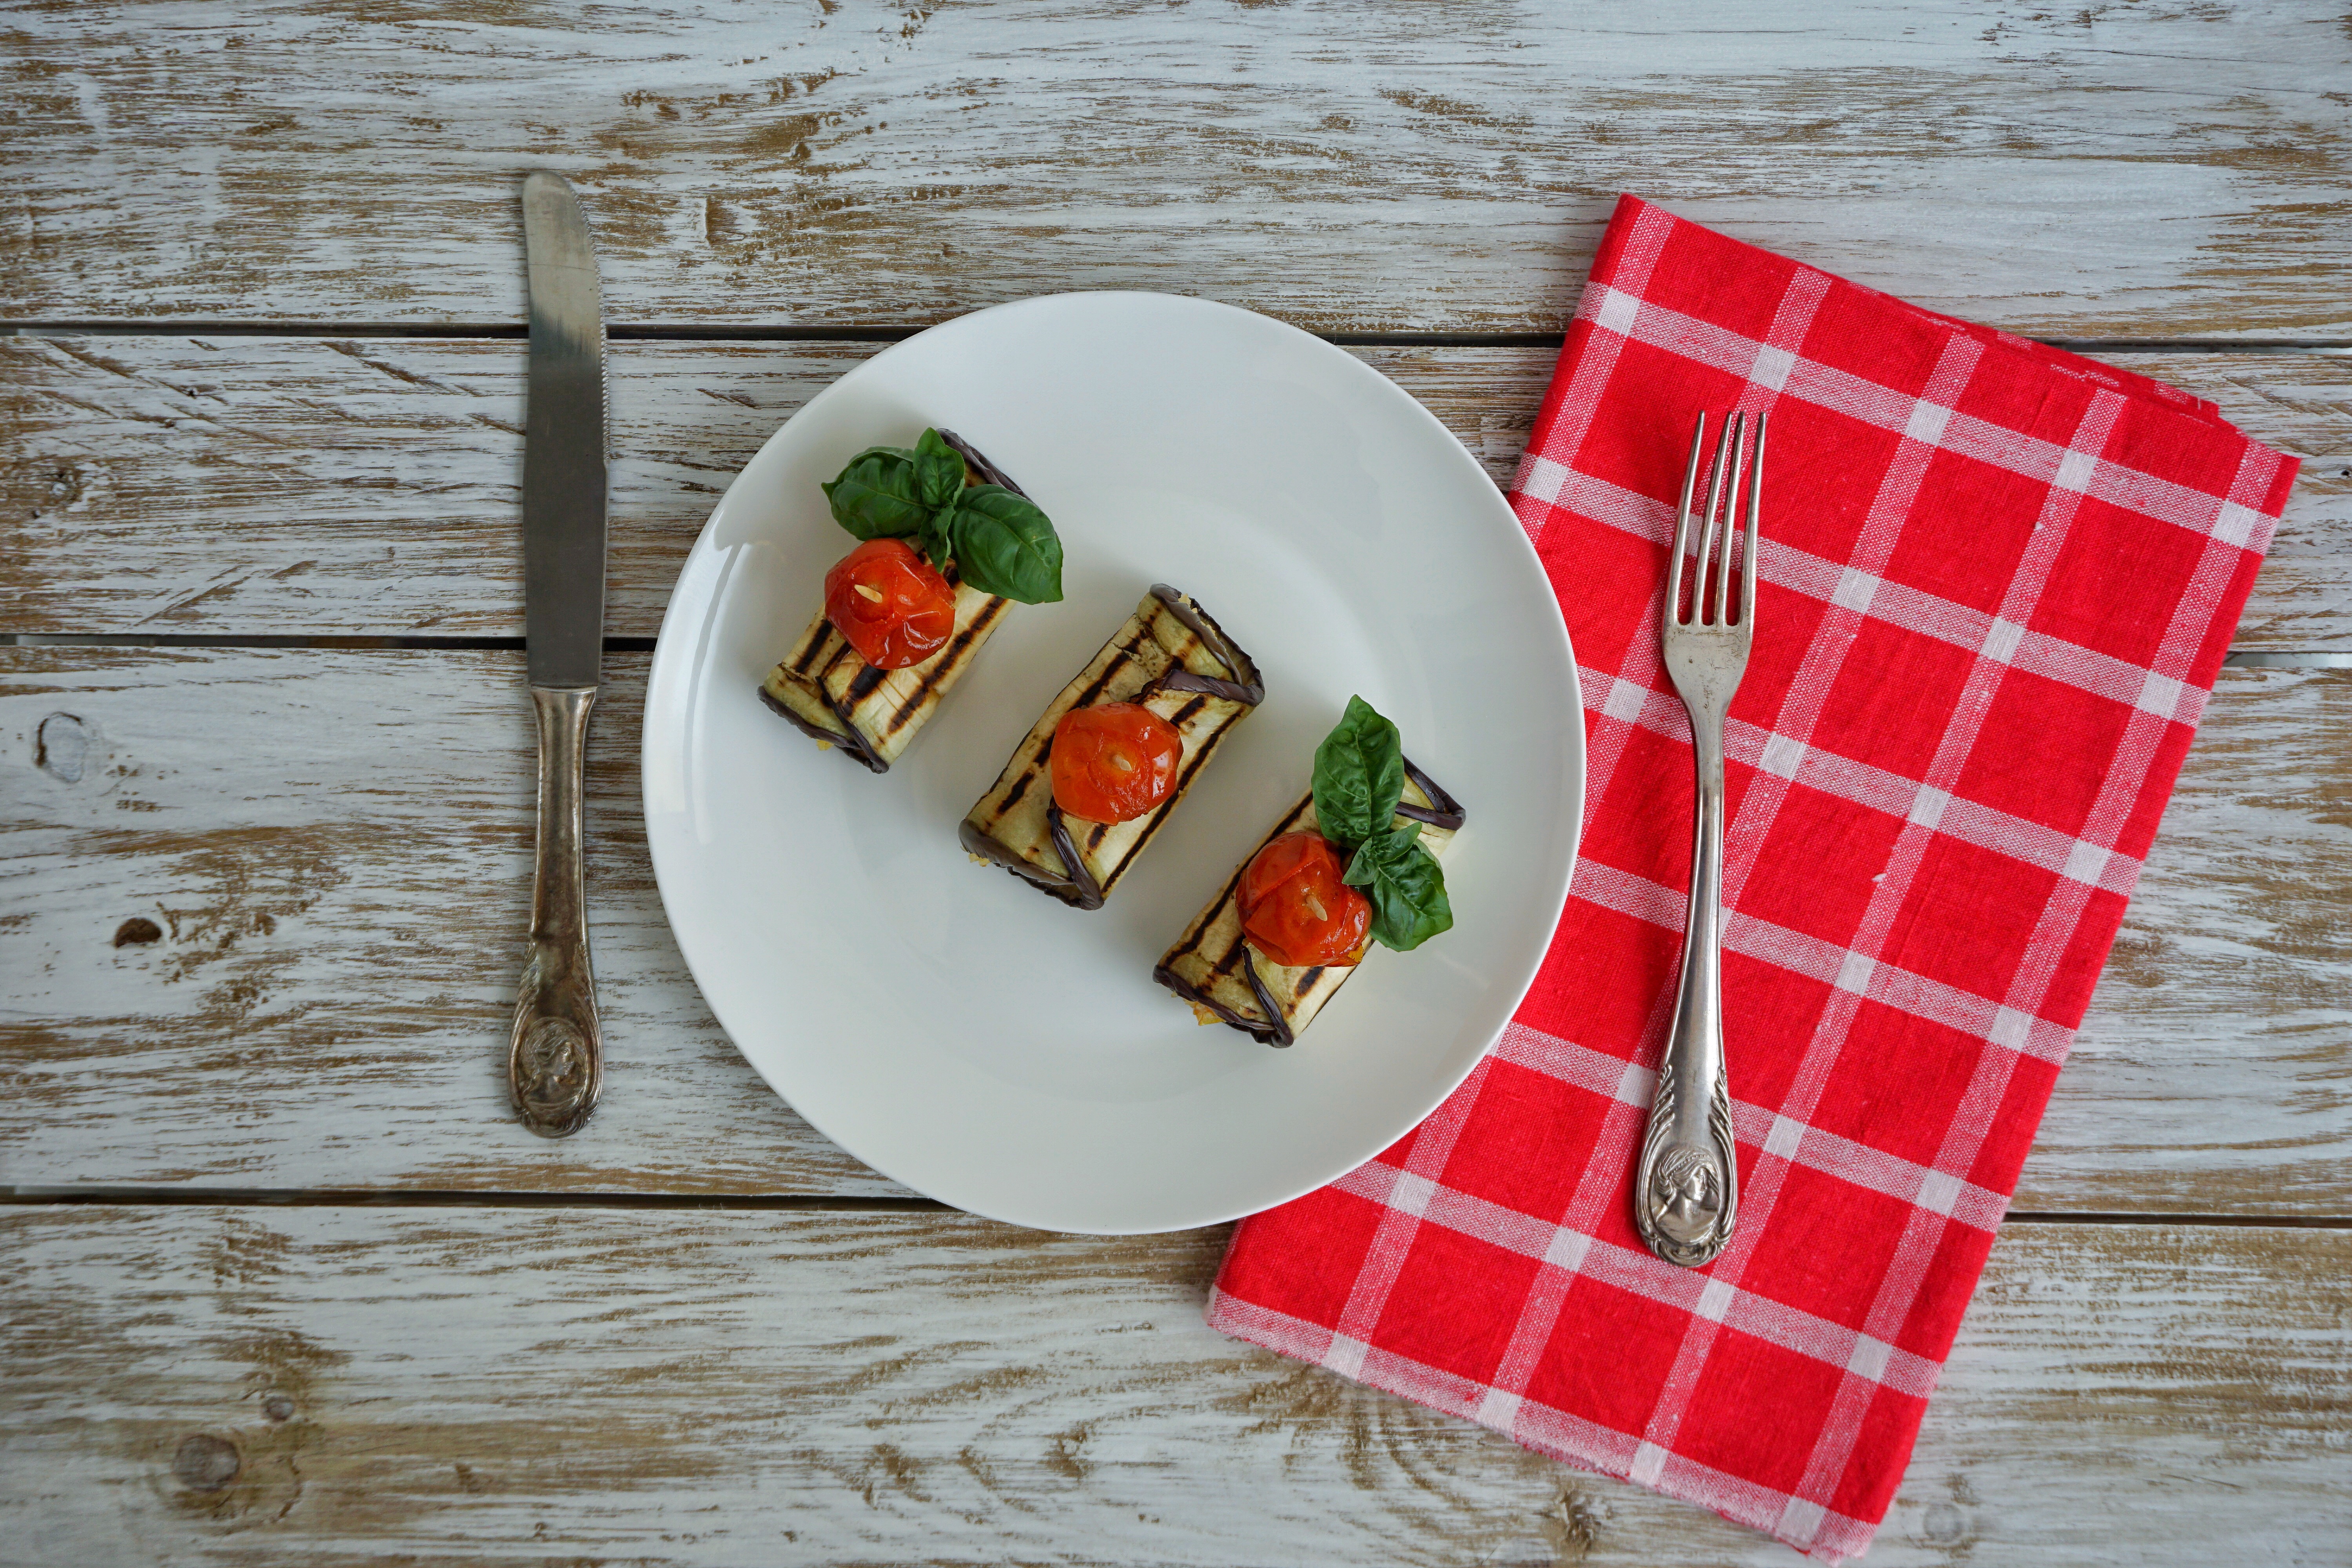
x: 816, y: 332
x: 762, y: 1202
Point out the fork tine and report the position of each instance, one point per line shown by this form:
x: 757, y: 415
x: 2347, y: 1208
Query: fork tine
x: 1748, y: 545
x: 1730, y: 515
x: 1681, y: 527
x: 1715, y: 496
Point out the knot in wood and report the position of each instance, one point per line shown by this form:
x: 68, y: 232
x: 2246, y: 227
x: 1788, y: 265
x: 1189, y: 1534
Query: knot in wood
x: 137, y: 930
x: 61, y: 747
x: 206, y: 1463
x: 1945, y: 1525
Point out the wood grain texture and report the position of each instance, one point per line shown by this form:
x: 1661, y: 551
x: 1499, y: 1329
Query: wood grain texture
x: 260, y: 912
x: 330, y: 851
x: 293, y: 487
x: 2235, y: 952
x: 251, y: 1387
x: 2149, y: 170
x: 340, y: 928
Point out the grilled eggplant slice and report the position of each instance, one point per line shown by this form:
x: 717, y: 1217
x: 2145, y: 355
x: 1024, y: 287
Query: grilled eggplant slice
x: 1227, y: 981
x: 1171, y: 658
x: 832, y: 695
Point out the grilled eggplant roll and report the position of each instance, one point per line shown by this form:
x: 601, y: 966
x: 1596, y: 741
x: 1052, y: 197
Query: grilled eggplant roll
x: 1212, y: 967
x: 832, y: 695
x: 1169, y: 657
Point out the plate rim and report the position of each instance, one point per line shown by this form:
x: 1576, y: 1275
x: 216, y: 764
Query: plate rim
x: 667, y: 649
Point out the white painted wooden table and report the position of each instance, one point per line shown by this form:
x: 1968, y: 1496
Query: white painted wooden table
x: 284, y: 1283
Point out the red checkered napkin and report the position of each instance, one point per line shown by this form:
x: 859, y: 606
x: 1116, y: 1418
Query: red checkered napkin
x: 1998, y: 583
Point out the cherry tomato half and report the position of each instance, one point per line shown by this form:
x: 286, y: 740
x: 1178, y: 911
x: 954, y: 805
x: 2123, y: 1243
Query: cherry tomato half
x: 1296, y: 910
x: 894, y: 608
x: 1114, y: 762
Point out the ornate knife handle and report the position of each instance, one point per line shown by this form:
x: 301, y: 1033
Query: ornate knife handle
x: 1686, y: 1188
x: 555, y: 1063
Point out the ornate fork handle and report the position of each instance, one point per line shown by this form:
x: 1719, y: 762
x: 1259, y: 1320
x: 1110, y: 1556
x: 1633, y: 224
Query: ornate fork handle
x: 1686, y: 1189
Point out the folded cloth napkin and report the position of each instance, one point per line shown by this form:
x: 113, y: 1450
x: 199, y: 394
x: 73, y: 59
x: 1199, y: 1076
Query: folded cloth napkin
x: 1998, y: 581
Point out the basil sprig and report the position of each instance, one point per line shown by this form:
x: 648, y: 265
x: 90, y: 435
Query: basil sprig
x: 875, y: 498
x: 1359, y: 776
x: 1406, y: 886
x: 1358, y: 782
x: 1001, y: 543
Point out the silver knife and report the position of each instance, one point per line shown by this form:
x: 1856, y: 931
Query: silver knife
x: 555, y: 1062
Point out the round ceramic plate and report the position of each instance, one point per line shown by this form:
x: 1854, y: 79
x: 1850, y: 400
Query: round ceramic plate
x: 950, y: 1026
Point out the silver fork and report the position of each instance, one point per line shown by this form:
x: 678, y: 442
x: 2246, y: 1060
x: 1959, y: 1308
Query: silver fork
x: 1686, y: 1189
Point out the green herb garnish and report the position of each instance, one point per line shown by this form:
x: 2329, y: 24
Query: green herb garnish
x: 1359, y: 776
x: 1001, y: 543
x: 1358, y: 782
x: 1406, y: 884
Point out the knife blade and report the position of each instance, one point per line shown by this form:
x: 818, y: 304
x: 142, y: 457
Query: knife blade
x: 563, y: 443
x: 555, y: 1057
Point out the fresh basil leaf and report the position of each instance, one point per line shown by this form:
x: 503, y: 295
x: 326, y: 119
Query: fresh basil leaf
x: 874, y: 497
x: 938, y: 472
x: 936, y: 538
x: 1004, y: 545
x: 1406, y: 886
x: 1359, y: 776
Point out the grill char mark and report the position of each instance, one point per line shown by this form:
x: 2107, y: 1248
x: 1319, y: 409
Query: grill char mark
x: 813, y: 732
x: 1080, y: 883
x: 957, y: 653
x: 1199, y: 998
x: 824, y: 653
x: 1279, y: 1033
x: 1444, y: 811
x: 987, y: 472
x: 1247, y: 688
x: 824, y: 646
x: 828, y: 653
x: 1081, y: 878
x: 1191, y: 771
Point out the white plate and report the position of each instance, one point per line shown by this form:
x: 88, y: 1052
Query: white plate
x: 980, y: 1042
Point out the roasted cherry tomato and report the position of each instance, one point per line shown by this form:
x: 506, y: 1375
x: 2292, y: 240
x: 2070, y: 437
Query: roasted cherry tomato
x: 1296, y: 910
x: 1114, y: 762
x: 894, y: 608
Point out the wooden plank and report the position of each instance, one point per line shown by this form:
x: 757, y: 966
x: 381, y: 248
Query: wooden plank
x: 330, y: 851
x: 240, y: 486
x: 2226, y: 991
x: 333, y: 850
x: 2167, y: 171
x: 319, y: 1386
